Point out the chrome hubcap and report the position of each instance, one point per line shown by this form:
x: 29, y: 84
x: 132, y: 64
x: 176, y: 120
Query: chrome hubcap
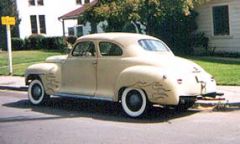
x: 134, y: 100
x: 36, y: 91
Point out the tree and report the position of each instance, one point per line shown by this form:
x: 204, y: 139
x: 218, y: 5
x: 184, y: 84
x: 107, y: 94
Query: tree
x: 117, y: 13
x: 8, y: 8
x: 174, y: 21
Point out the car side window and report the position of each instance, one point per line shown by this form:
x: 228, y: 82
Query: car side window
x: 84, y: 49
x: 109, y: 49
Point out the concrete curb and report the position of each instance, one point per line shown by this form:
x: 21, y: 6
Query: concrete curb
x: 16, y: 88
x: 216, y: 103
x: 204, y: 103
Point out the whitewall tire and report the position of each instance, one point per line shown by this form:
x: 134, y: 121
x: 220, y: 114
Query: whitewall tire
x: 134, y: 102
x: 36, y: 93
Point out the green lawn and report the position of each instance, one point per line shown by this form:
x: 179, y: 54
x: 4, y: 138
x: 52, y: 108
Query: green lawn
x: 22, y: 59
x: 225, y: 70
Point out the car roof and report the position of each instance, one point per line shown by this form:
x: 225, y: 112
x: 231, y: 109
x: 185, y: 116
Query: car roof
x: 122, y: 38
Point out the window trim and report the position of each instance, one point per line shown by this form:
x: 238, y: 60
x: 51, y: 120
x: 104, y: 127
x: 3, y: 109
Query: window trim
x: 34, y: 3
x: 31, y: 24
x: 79, y: 2
x: 40, y: 4
x: 87, y: 1
x: 42, y: 25
x: 229, y: 20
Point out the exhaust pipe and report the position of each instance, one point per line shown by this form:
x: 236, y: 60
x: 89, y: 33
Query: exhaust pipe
x: 214, y: 94
x: 211, y: 96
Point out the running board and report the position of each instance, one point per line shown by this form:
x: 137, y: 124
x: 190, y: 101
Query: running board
x: 84, y: 97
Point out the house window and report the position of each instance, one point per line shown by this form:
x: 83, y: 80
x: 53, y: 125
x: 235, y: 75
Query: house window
x: 71, y: 31
x: 79, y: 30
x: 76, y: 31
x: 78, y: 1
x: 221, y: 20
x: 33, y: 20
x: 40, y: 2
x: 42, y: 24
x: 87, y: 1
x: 31, y: 2
x: 35, y: 25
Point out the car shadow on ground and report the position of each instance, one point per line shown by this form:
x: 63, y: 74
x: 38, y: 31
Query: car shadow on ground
x: 59, y: 108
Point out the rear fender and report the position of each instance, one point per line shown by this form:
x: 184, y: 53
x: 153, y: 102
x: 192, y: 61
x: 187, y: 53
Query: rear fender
x: 150, y: 79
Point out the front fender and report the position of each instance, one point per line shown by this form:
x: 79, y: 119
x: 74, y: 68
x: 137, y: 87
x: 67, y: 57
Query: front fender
x: 150, y: 79
x: 49, y: 73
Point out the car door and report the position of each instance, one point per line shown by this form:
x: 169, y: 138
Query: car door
x: 110, y: 65
x: 79, y: 70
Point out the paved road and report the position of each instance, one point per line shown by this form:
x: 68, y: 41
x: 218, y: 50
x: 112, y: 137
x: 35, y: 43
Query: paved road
x: 69, y: 121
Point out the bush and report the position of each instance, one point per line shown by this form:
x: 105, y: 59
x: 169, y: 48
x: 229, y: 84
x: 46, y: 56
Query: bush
x: 200, y: 43
x: 71, y: 39
x: 226, y: 54
x: 39, y: 42
x: 34, y: 42
x: 199, y: 40
x: 176, y: 29
x: 17, y: 44
x: 53, y: 43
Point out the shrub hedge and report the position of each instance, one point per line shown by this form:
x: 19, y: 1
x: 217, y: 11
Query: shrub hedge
x: 53, y: 43
x: 71, y: 39
x: 17, y: 44
x: 35, y: 42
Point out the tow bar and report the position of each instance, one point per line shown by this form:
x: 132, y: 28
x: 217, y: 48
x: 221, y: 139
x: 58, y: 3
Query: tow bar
x: 211, y: 97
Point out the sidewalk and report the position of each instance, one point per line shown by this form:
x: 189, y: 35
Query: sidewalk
x: 12, y: 83
x: 231, y: 93
x: 231, y: 96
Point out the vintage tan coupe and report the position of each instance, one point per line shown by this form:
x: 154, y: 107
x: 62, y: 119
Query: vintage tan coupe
x: 133, y: 69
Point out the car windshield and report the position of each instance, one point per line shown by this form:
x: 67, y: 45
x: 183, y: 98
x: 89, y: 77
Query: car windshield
x: 153, y: 45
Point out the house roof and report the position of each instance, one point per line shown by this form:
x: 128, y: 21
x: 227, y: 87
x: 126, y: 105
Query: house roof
x: 75, y: 13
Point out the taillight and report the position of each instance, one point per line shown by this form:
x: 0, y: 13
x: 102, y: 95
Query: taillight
x: 212, y: 78
x: 179, y: 81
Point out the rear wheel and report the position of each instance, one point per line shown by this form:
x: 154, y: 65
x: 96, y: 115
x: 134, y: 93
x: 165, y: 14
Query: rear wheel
x: 183, y: 107
x: 36, y: 93
x: 134, y: 102
x: 185, y: 103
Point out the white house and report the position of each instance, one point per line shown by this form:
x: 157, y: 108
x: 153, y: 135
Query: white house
x: 220, y: 21
x: 41, y: 16
x: 80, y: 29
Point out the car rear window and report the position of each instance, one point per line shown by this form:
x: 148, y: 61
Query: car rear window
x: 153, y: 45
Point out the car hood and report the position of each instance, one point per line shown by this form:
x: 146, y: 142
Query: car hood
x: 56, y: 59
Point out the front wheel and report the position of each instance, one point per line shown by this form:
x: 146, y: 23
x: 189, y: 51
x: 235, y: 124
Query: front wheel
x: 36, y: 93
x: 134, y: 102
